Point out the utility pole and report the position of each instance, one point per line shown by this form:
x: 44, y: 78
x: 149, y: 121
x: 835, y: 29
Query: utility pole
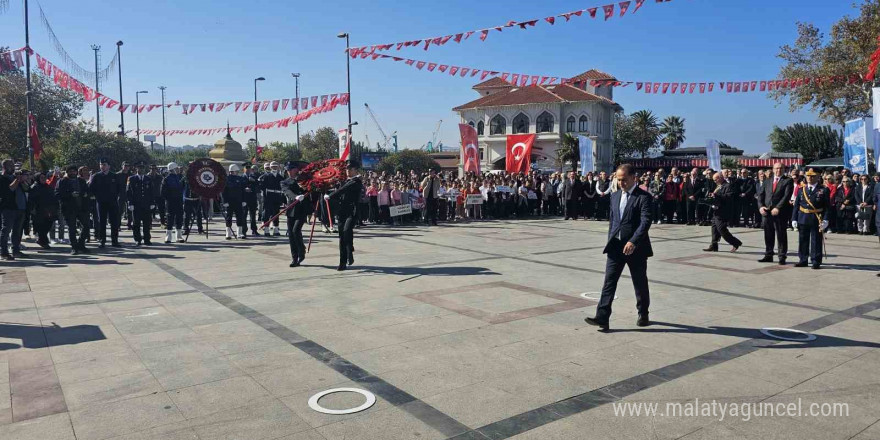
x: 137, y: 114
x: 296, y: 77
x: 97, y: 48
x: 164, y: 141
x: 256, y: 121
x: 348, y: 76
x: 27, y: 46
x: 119, y: 64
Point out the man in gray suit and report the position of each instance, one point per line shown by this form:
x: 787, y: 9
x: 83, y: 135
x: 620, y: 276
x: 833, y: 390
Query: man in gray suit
x: 628, y: 245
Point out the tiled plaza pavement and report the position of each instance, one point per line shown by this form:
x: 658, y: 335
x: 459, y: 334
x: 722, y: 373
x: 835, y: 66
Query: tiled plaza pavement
x: 462, y: 331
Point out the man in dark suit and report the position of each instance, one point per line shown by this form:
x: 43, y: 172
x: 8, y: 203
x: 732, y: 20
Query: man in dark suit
x: 571, y: 192
x: 773, y: 202
x: 811, y: 202
x: 628, y: 245
x: 724, y: 203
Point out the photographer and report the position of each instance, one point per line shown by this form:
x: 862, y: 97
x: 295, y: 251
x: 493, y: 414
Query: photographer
x: 13, y: 203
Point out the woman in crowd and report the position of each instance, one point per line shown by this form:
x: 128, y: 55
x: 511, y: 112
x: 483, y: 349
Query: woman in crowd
x: 671, y: 196
x: 373, y: 196
x: 845, y: 201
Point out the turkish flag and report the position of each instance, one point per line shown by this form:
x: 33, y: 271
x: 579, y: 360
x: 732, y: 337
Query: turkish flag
x: 344, y: 144
x: 36, y: 146
x: 470, y: 148
x: 519, y: 152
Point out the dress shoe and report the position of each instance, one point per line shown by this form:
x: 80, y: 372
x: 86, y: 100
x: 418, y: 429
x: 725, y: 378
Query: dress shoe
x: 148, y: 243
x: 7, y: 257
x: 84, y: 250
x: 74, y: 252
x: 350, y: 259
x: 782, y: 261
x: 801, y: 264
x: 816, y: 266
x: 116, y: 244
x: 102, y: 245
x: 295, y: 263
x: 18, y: 254
x: 767, y: 259
x: 643, y: 320
x: 603, y: 325
x: 734, y: 249
x: 340, y: 268
x: 710, y: 249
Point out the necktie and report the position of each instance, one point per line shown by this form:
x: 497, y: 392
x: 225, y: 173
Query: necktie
x: 775, y: 181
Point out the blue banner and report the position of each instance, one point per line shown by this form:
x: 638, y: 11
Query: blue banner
x: 585, y: 146
x: 713, y: 153
x: 855, y: 145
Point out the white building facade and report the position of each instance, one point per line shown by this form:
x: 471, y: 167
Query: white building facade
x: 549, y: 112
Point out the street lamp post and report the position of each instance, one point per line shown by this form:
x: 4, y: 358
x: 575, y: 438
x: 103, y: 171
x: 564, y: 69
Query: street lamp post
x: 27, y: 96
x: 164, y: 141
x: 347, y: 76
x: 296, y: 77
x: 96, y: 48
x: 119, y: 64
x: 137, y: 114
x: 256, y: 113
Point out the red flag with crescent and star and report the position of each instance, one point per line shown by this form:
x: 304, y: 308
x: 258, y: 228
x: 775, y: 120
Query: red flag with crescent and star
x: 519, y: 153
x: 470, y: 148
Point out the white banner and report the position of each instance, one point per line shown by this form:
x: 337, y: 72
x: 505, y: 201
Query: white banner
x: 585, y: 147
x: 400, y: 210
x: 343, y: 144
x: 713, y: 153
x: 474, y: 199
x: 877, y: 128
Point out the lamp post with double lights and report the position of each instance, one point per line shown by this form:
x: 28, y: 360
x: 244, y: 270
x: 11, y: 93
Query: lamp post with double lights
x: 348, y: 75
x: 256, y: 106
x: 137, y: 114
x: 296, y: 78
x: 164, y: 141
x: 119, y: 65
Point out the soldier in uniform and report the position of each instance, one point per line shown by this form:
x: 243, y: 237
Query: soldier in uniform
x: 172, y: 195
x: 347, y: 196
x: 192, y: 205
x: 72, y: 192
x: 122, y: 200
x: 140, y: 205
x: 273, y: 197
x: 233, y: 201
x: 251, y: 189
x: 296, y: 216
x: 811, y: 201
x: 105, y: 187
x: 724, y: 203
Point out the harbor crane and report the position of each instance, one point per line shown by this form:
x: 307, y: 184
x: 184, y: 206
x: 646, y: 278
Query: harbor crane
x: 386, y: 139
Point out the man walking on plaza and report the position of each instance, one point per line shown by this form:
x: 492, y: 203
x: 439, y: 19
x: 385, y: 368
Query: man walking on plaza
x: 724, y: 202
x: 773, y: 202
x: 139, y: 194
x: 628, y: 245
x: 13, y: 203
x: 105, y: 187
x: 430, y: 191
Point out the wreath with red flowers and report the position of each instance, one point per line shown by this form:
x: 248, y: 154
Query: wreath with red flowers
x: 322, y: 175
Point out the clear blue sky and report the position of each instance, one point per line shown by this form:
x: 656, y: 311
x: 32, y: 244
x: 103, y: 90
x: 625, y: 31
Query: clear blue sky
x: 207, y: 51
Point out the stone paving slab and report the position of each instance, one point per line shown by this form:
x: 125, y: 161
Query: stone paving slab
x: 463, y: 331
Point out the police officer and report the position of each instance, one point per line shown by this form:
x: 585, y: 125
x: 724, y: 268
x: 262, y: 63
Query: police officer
x: 233, y: 201
x: 140, y: 205
x: 251, y: 189
x: 172, y: 193
x: 296, y: 216
x: 347, y: 197
x: 72, y: 192
x: 105, y: 187
x: 273, y: 197
x: 193, y: 207
x: 811, y: 201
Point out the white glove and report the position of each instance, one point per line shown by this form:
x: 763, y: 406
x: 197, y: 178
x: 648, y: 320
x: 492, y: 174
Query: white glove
x: 243, y: 203
x: 300, y: 198
x: 794, y: 224
x: 152, y: 206
x: 824, y: 225
x: 226, y: 205
x: 326, y: 197
x: 131, y: 207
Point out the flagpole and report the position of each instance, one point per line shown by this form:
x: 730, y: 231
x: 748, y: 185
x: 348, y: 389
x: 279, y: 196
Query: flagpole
x: 27, y: 99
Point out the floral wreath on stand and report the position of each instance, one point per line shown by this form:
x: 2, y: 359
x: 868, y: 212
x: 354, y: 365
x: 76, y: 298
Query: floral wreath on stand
x: 322, y: 176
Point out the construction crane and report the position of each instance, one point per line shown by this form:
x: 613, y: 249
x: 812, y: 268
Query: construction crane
x: 386, y: 139
x: 431, y: 146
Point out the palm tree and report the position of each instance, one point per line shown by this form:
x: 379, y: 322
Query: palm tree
x: 569, y: 151
x: 672, y: 130
x: 645, y: 131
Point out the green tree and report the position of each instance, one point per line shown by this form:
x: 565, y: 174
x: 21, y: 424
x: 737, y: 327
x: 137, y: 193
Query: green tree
x: 568, y: 152
x: 729, y: 163
x: 624, y: 137
x: 814, y: 142
x: 645, y: 132
x: 406, y: 161
x: 320, y: 145
x: 54, y: 109
x: 672, y: 130
x: 281, y: 152
x: 81, y: 145
x: 847, y: 52
x: 177, y: 155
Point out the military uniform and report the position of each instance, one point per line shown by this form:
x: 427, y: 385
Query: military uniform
x: 348, y: 196
x: 140, y: 206
x: 233, y: 201
x: 296, y: 218
x: 172, y: 193
x: 251, y: 190
x: 105, y: 188
x: 810, y: 204
x: 192, y: 206
x: 273, y: 197
x: 73, y: 193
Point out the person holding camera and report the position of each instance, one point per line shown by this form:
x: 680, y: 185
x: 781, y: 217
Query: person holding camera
x: 13, y: 203
x: 72, y: 192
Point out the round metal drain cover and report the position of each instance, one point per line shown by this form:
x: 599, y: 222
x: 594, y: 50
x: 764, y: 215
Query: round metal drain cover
x: 788, y: 334
x: 313, y: 401
x: 594, y: 296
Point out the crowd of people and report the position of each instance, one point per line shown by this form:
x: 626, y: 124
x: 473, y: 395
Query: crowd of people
x: 83, y: 203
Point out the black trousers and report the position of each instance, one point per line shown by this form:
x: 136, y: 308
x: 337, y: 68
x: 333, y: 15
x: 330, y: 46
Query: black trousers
x: 295, y: 237
x: 141, y: 223
x: 638, y: 270
x: 669, y: 210
x: 174, y: 218
x: 42, y: 225
x: 77, y: 228
x: 107, y: 212
x: 691, y: 211
x: 346, y: 239
x: 237, y: 210
x: 430, y: 210
x: 776, y: 231
x: 250, y: 211
x: 271, y: 205
x: 192, y: 214
x: 571, y: 209
x: 809, y: 243
x: 602, y: 207
x: 719, y: 231
x: 160, y: 207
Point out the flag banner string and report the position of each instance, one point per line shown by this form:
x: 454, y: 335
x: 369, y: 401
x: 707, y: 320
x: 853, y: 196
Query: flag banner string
x: 607, y: 11
x: 79, y: 72
x: 281, y: 123
x: 12, y: 60
x: 66, y: 81
x: 649, y: 87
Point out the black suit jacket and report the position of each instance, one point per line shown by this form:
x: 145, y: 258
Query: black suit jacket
x: 633, y: 227
x: 868, y: 197
x: 571, y: 190
x: 776, y: 199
